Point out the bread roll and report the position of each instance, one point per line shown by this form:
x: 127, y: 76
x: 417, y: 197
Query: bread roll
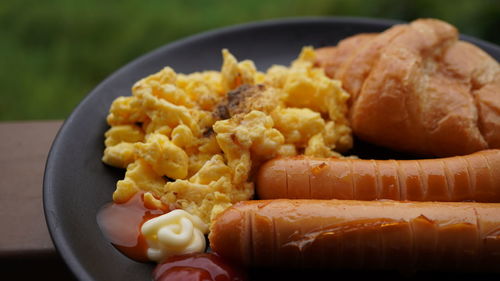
x: 417, y: 88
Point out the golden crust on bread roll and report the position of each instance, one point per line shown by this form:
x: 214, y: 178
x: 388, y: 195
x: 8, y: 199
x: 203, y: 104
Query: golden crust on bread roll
x: 417, y: 88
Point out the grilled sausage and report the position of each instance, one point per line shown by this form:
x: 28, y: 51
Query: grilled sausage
x: 350, y: 234
x: 473, y: 177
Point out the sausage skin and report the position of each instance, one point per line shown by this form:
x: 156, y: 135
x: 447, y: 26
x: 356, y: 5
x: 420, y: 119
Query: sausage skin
x: 474, y: 177
x: 352, y: 234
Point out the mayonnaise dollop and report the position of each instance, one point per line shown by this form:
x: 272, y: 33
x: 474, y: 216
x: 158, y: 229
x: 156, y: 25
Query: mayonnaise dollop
x: 174, y: 233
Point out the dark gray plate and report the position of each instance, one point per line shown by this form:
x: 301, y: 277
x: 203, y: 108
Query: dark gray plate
x: 77, y: 183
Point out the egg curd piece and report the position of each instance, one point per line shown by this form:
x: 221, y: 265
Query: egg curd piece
x: 234, y: 74
x: 242, y: 135
x: 165, y: 157
x: 125, y: 110
x: 163, y: 85
x: 209, y: 190
x: 139, y: 176
x: 123, y: 133
x: 183, y: 137
x: 163, y: 113
x: 276, y: 76
x: 119, y: 155
x: 309, y: 87
x: 119, y: 144
x: 303, y: 83
x: 204, y: 88
x: 298, y: 125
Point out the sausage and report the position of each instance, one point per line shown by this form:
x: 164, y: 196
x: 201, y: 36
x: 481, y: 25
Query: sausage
x: 352, y: 234
x: 474, y: 177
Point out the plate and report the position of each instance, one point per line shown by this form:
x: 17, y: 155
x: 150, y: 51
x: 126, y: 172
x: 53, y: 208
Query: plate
x: 77, y: 183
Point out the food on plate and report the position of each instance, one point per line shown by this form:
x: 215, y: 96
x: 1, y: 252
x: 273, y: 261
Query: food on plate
x: 146, y: 230
x: 121, y: 223
x: 201, y: 266
x: 473, y: 177
x: 194, y: 145
x: 417, y: 88
x: 194, y: 141
x: 351, y: 234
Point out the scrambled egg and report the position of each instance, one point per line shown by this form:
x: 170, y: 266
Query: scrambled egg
x: 194, y: 141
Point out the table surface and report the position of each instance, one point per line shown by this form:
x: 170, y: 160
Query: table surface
x: 26, y: 249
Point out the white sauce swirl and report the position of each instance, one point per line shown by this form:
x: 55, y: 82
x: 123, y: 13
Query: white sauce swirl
x: 174, y: 233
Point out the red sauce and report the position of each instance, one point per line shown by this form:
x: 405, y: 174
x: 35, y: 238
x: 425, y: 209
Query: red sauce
x: 197, y: 267
x: 121, y: 225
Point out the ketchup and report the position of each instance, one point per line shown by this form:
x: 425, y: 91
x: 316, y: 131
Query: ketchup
x: 121, y: 225
x: 197, y: 267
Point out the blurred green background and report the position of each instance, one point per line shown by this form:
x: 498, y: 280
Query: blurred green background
x: 52, y: 53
